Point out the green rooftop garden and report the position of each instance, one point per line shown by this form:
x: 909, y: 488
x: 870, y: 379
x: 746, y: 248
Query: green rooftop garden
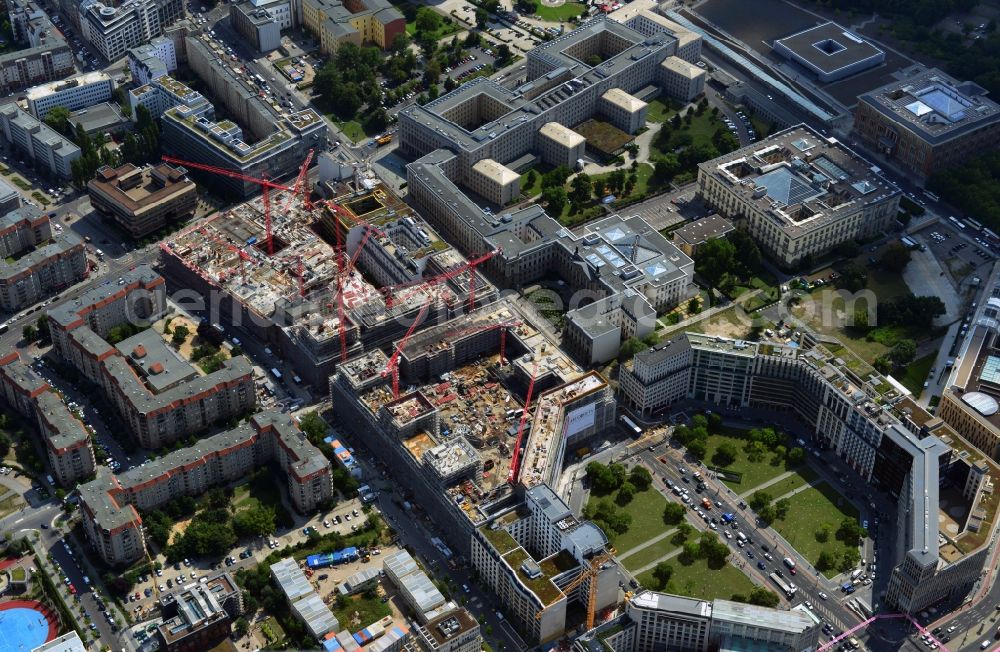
x: 500, y: 538
x: 542, y: 585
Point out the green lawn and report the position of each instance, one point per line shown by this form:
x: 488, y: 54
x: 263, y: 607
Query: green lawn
x: 643, y: 174
x: 646, y: 510
x: 659, y: 111
x: 701, y: 129
x: 448, y: 26
x: 572, y: 219
x: 531, y: 189
x: 262, y: 490
x: 649, y: 554
x: 754, y: 473
x: 351, y: 128
x: 562, y: 12
x: 916, y: 372
x: 804, y: 476
x: 368, y: 612
x: 761, y: 127
x: 700, y: 581
x: 810, y: 510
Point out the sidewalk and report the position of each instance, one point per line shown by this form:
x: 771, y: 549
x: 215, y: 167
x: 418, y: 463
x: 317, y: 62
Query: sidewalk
x: 647, y: 543
x: 767, y: 484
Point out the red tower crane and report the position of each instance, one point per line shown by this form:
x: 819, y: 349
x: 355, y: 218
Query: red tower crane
x: 300, y: 187
x: 265, y: 184
x: 515, y: 463
x: 504, y: 327
x: 393, y: 364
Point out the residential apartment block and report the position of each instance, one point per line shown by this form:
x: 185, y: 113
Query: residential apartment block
x: 799, y: 194
x: 926, y: 120
x: 896, y: 446
x: 113, y: 29
x: 158, y: 395
x: 527, y: 556
x: 165, y: 92
x: 352, y: 21
x: 65, y: 438
x: 42, y: 264
x: 110, y: 504
x: 660, y: 621
x: 143, y: 200
x: 75, y: 93
x: 44, y: 54
x: 49, y: 150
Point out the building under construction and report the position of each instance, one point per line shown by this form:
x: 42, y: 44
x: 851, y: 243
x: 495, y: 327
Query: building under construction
x: 454, y: 429
x: 323, y: 282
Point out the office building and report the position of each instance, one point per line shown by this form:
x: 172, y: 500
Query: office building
x: 194, y: 137
x: 799, y: 194
x: 893, y: 444
x: 690, y: 237
x: 352, y: 21
x: 660, y: 621
x: 143, y: 200
x: 495, y: 183
x: 43, y: 263
x: 152, y: 60
x: 110, y: 504
x: 682, y: 79
x: 256, y: 25
x: 100, y: 119
x: 66, y: 439
x: 452, y: 631
x: 628, y: 269
x: 10, y: 198
x: 927, y: 121
x: 559, y: 145
x: 113, y: 29
x: 74, y: 94
x: 483, y: 120
x: 199, y: 616
x: 43, y: 54
x: 164, y: 93
x: 830, y: 52
x: 530, y: 584
x: 969, y: 400
x: 50, y: 151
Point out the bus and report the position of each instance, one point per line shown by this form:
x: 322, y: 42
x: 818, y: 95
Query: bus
x: 974, y: 224
x: 931, y: 196
x: 630, y: 426
x: 276, y: 373
x: 260, y: 80
x: 789, y: 589
x: 908, y: 243
x: 957, y: 222
x: 991, y: 236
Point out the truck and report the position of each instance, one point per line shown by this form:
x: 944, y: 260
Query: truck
x: 728, y: 517
x: 384, y: 140
x: 706, y: 503
x: 789, y: 562
x: 741, y: 537
x: 276, y: 373
x: 788, y: 589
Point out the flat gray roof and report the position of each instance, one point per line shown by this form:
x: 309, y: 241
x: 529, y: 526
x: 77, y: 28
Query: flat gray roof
x: 829, y: 47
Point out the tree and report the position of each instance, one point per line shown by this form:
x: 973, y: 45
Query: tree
x: 796, y: 456
x: 581, y: 188
x: 714, y: 260
x: 180, y: 335
x: 400, y: 43
x: 593, y: 60
x: 697, y: 448
x: 640, y: 478
x: 625, y: 493
x: 375, y: 121
x: 4, y: 444
x: 556, y: 177
x: 242, y: 627
x: 694, y: 305
x: 673, y: 513
x: 896, y: 257
x: 823, y: 534
x: 605, y: 479
x: 29, y: 333
x: 427, y: 20
x: 759, y: 500
x: 432, y: 72
x: 607, y: 516
x: 503, y: 55
x: 725, y: 454
x: 256, y: 521
x: 760, y: 596
x: 58, y: 118
x: 481, y: 18
x: 781, y: 508
x: 903, y: 352
x: 827, y: 560
x: 662, y: 573
x: 665, y: 167
x: 555, y: 200
x: 526, y: 7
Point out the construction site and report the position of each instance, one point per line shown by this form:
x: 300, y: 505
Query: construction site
x: 471, y: 412
x: 323, y: 280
